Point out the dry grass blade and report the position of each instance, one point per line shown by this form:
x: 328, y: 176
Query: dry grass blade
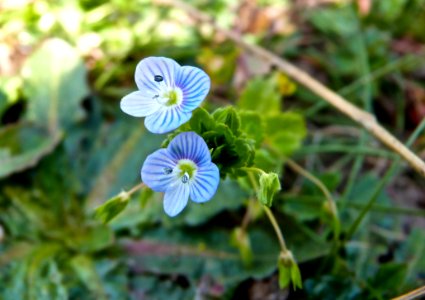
x: 363, y: 118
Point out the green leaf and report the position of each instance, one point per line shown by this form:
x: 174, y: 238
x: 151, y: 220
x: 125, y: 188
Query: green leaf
x: 252, y: 125
x: 90, y: 239
x: 390, y: 277
x: 37, y: 261
x: 3, y: 102
x: 55, y: 84
x: 230, y: 150
x: 202, y: 121
x: 85, y: 270
x: 344, y: 20
x: 261, y: 95
x: 10, y: 90
x: 390, y: 10
x: 228, y: 116
x: 116, y: 158
x: 22, y: 146
x: 111, y: 208
x: 413, y: 252
x: 269, y: 185
x: 285, y: 131
x: 196, y: 253
x: 268, y: 161
x: 227, y: 189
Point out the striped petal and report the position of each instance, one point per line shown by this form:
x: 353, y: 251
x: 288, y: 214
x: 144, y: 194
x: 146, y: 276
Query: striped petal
x: 195, y: 85
x: 205, y: 184
x: 153, y: 66
x: 139, y: 104
x: 175, y: 198
x: 189, y: 145
x: 156, y: 170
x: 166, y: 119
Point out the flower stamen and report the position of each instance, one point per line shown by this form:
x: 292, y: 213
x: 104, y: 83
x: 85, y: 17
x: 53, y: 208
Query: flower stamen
x: 185, y: 178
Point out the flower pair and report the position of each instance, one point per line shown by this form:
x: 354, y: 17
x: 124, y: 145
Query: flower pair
x: 167, y: 95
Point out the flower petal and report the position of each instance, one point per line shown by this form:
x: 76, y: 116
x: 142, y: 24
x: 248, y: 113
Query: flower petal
x: 195, y: 85
x: 139, y: 104
x: 166, y: 119
x: 149, y: 67
x: 205, y: 183
x: 175, y: 198
x: 189, y: 145
x: 154, y: 170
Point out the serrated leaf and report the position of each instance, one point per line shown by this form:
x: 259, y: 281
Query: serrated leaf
x: 229, y: 117
x: 267, y: 161
x: 111, y: 208
x: 54, y: 84
x: 285, y: 131
x: 22, y: 146
x: 229, y: 149
x: 201, y: 121
x: 252, y: 125
x: 261, y: 95
x: 269, y: 185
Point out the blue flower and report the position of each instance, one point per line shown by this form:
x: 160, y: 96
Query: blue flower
x: 182, y: 170
x: 167, y: 95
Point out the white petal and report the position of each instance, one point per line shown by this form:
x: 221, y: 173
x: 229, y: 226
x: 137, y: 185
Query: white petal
x: 139, y: 104
x: 166, y: 120
x: 149, y: 67
x: 176, y: 197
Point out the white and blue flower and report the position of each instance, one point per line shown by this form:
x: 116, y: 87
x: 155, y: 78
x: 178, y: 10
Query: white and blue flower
x: 183, y: 170
x: 167, y: 95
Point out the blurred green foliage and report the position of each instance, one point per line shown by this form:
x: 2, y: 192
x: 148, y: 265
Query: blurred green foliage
x: 66, y: 148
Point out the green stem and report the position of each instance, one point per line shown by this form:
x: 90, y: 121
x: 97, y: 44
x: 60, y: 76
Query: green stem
x: 136, y: 188
x: 252, y: 169
x: 276, y: 229
x: 269, y: 213
x: 331, y: 202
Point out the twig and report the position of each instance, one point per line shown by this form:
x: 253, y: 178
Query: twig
x: 363, y: 118
x: 415, y: 294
